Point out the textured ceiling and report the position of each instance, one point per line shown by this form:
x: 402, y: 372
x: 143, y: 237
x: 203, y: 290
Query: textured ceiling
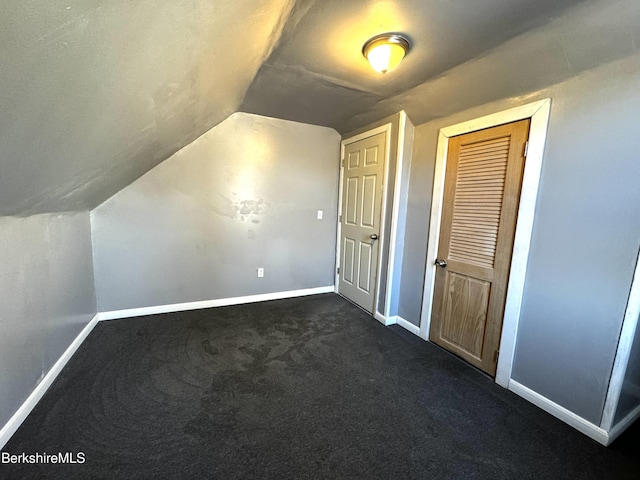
x: 95, y: 93
x: 318, y: 61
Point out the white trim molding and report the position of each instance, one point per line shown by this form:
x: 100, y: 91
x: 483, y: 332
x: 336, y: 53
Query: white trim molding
x: 397, y: 320
x: 590, y: 429
x: 223, y: 302
x: 623, y: 424
x: 386, y: 321
x: 38, y: 392
x: 395, y: 211
x: 627, y: 334
x: 538, y: 112
x: 407, y: 325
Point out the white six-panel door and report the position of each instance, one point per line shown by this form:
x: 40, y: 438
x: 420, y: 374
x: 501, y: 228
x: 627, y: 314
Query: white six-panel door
x: 362, y: 191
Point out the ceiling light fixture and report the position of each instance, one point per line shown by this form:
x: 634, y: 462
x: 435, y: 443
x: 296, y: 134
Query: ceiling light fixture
x: 386, y: 51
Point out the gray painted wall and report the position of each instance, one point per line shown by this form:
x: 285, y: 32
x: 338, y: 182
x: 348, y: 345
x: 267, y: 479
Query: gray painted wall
x: 242, y: 196
x: 403, y: 201
x: 630, y: 394
x: 585, y: 237
x: 46, y: 298
x: 417, y: 222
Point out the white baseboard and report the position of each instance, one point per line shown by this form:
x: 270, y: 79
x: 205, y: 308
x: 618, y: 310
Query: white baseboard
x: 415, y: 329
x: 223, y: 302
x: 591, y: 430
x: 395, y: 319
x: 386, y: 321
x: 32, y: 400
x: 623, y: 424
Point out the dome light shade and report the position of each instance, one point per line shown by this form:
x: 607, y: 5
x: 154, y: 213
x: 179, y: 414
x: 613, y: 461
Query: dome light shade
x: 385, y: 51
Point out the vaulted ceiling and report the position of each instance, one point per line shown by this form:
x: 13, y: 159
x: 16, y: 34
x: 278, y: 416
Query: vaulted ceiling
x: 318, y: 61
x: 95, y: 93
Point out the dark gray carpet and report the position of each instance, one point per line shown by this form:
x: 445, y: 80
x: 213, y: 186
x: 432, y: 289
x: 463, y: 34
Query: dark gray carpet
x: 293, y: 389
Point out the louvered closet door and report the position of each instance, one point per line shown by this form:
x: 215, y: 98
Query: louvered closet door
x: 481, y: 197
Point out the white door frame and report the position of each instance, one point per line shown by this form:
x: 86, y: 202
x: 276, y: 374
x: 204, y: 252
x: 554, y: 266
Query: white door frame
x: 538, y: 112
x: 627, y: 335
x: 386, y: 129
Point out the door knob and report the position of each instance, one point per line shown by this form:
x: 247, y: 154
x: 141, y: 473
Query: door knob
x: 441, y: 263
x: 373, y: 236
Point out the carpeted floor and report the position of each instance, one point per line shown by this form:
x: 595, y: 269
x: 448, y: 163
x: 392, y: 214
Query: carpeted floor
x: 293, y: 389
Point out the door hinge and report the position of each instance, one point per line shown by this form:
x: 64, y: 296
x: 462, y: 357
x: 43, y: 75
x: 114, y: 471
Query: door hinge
x: 342, y: 162
x: 495, y: 356
x: 340, y: 218
x: 526, y: 148
x: 338, y: 271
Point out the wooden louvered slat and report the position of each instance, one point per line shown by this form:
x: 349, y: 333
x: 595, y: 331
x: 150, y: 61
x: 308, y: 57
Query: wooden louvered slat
x: 471, y: 208
x: 476, y: 231
x: 474, y: 240
x: 463, y: 225
x: 482, y: 168
x: 487, y: 157
x: 478, y: 190
x: 473, y: 255
x: 475, y: 258
x: 473, y: 179
x: 475, y: 237
x: 479, y: 187
x: 466, y: 177
x: 478, y: 193
x: 483, y: 235
x: 472, y: 216
x: 474, y: 162
x: 465, y: 187
x: 490, y: 145
x: 477, y: 201
x: 475, y: 157
x: 473, y: 251
x: 488, y: 207
x: 478, y: 152
x: 478, y: 198
x: 487, y: 169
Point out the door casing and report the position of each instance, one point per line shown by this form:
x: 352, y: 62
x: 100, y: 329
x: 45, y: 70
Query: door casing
x: 538, y: 112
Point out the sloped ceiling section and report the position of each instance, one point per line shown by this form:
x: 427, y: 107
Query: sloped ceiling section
x: 95, y: 93
x: 318, y: 61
